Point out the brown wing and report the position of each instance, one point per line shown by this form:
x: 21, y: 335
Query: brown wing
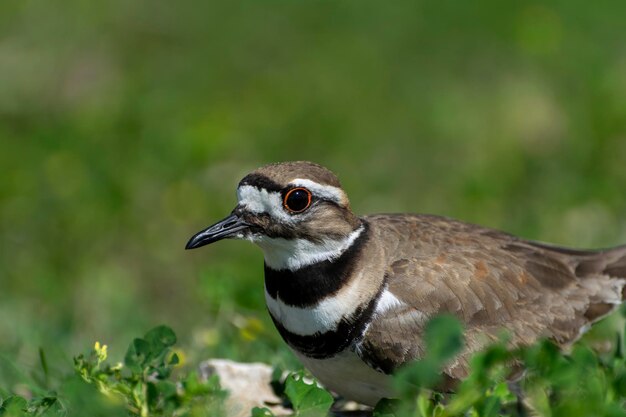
x: 491, y: 281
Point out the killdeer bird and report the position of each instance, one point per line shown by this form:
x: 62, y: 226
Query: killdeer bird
x: 351, y: 295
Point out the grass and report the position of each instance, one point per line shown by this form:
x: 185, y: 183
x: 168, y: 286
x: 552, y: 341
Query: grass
x: 125, y: 127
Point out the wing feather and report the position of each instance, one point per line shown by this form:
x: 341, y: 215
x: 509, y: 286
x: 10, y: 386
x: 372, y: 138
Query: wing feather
x: 490, y: 280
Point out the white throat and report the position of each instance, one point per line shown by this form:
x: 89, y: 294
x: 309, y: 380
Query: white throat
x: 294, y: 254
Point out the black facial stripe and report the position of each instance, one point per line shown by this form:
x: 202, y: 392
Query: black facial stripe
x: 310, y: 284
x: 325, y: 345
x: 289, y: 234
x: 263, y: 223
x: 260, y: 181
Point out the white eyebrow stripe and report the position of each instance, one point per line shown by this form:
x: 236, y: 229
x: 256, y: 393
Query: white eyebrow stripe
x: 262, y: 201
x: 324, y: 191
x: 259, y: 200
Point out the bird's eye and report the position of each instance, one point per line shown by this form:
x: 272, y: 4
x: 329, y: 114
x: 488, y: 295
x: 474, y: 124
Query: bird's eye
x: 297, y: 200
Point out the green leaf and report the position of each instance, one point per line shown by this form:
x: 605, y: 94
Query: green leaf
x: 152, y: 394
x: 489, y: 407
x: 160, y: 337
x: 386, y: 408
x: 44, y: 365
x: 13, y: 405
x: 277, y: 381
x: 502, y: 391
x: 438, y: 410
x: 443, y: 337
x: 424, y: 406
x: 425, y: 373
x: 193, y: 385
x: 167, y: 389
x: 619, y: 384
x: 137, y: 355
x: 39, y: 405
x: 174, y: 359
x: 261, y: 412
x: 308, y: 400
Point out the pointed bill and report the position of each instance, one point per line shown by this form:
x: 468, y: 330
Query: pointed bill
x: 228, y: 227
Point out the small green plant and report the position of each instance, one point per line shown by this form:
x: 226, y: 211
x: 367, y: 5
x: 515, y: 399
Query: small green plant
x: 143, y: 381
x: 307, y: 398
x: 16, y: 405
x: 43, y: 402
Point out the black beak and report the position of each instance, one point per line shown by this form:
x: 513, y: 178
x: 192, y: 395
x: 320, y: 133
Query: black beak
x: 220, y: 230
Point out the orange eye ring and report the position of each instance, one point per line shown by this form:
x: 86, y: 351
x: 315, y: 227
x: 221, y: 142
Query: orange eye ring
x: 297, y: 200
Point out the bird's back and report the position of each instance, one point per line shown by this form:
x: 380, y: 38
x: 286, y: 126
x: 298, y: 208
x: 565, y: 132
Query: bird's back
x: 490, y: 280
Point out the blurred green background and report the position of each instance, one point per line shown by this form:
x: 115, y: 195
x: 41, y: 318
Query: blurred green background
x: 126, y: 125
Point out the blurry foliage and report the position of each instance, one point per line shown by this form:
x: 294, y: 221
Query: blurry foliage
x: 125, y: 126
x: 443, y: 338
x: 143, y: 380
x: 143, y: 384
x: 579, y: 383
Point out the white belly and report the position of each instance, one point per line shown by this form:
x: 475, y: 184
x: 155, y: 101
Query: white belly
x: 347, y: 375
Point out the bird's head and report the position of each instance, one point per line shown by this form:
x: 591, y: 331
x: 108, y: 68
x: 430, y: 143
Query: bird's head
x: 296, y: 212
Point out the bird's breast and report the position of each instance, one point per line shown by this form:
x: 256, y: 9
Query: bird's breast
x: 347, y: 375
x: 322, y: 308
x: 327, y: 326
x: 320, y: 317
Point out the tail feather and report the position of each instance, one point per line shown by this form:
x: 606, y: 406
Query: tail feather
x: 601, y: 275
x: 611, y: 262
x: 617, y: 268
x: 593, y: 263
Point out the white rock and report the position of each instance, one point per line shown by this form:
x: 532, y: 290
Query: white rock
x: 248, y: 386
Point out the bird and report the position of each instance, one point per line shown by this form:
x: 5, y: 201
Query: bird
x: 351, y: 295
